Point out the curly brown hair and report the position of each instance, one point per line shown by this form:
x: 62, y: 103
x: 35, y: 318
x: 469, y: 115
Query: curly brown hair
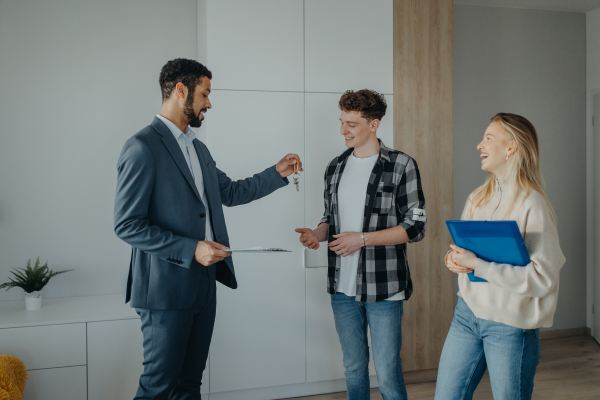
x: 369, y: 103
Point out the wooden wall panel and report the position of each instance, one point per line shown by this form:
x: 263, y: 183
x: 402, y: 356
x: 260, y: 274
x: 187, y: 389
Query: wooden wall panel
x: 423, y: 130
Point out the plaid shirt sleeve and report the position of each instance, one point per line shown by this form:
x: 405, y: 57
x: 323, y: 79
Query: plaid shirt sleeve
x: 326, y: 200
x: 412, y: 202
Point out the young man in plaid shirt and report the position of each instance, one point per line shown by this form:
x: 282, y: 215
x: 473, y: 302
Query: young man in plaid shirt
x: 374, y: 205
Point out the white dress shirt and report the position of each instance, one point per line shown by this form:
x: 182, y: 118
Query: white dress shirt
x: 184, y: 140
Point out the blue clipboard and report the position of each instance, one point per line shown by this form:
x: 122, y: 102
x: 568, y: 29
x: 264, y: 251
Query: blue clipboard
x: 493, y: 241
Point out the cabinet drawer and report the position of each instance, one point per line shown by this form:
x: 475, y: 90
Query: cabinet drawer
x: 47, y: 346
x: 115, y: 359
x: 57, y: 384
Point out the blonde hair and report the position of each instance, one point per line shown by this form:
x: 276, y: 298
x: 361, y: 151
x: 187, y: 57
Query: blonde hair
x: 523, y: 172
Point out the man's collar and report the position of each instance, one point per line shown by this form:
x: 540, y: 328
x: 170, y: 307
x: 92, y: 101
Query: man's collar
x: 384, y: 152
x: 189, y: 133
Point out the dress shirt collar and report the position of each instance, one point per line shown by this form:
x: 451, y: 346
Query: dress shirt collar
x: 188, y: 136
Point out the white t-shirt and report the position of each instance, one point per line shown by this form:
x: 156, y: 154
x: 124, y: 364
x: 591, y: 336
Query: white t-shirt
x: 352, y: 193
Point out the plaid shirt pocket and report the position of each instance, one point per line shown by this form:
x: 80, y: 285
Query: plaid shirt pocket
x: 384, y: 197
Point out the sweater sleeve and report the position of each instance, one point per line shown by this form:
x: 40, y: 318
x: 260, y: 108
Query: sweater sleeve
x: 540, y: 276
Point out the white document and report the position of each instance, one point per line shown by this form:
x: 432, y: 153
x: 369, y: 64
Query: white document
x: 256, y: 250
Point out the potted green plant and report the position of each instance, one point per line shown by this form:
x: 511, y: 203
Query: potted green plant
x: 32, y: 281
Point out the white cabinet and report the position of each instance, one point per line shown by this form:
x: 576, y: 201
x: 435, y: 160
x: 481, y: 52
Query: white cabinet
x: 55, y: 358
x: 348, y: 45
x: 256, y: 45
x: 75, y: 347
x: 260, y: 327
x: 68, y: 383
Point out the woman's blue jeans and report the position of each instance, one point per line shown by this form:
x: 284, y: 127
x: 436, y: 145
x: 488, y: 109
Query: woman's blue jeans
x: 510, y: 354
x: 384, y: 319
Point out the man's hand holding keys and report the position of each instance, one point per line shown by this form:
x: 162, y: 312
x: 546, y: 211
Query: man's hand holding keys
x: 289, y: 165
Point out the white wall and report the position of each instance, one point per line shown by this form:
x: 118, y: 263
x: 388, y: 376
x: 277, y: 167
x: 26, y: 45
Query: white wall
x: 532, y: 63
x: 76, y: 80
x: 593, y: 87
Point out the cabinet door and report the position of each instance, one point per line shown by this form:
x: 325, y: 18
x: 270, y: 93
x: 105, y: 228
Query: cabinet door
x: 323, y: 350
x: 324, y: 360
x: 48, y: 346
x: 256, y: 45
x: 259, y: 337
x: 115, y: 356
x: 67, y: 383
x: 348, y: 45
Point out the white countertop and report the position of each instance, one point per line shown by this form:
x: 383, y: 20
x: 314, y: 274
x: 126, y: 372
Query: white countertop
x: 66, y: 310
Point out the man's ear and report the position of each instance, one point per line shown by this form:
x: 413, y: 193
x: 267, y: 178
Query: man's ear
x: 181, y: 91
x: 375, y: 124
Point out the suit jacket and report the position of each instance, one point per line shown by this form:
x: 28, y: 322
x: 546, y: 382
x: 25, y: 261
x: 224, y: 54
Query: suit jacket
x: 158, y: 211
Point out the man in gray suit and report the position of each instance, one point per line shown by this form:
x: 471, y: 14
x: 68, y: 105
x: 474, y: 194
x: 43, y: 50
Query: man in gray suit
x: 168, y: 207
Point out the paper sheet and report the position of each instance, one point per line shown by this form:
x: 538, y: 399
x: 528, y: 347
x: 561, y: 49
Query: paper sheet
x: 257, y: 250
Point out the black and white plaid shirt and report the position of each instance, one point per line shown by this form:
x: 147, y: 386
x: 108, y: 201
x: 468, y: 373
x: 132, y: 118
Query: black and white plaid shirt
x: 394, y: 197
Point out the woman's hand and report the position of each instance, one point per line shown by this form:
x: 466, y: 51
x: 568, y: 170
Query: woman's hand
x: 452, y: 266
x: 346, y: 243
x: 308, y: 238
x: 459, y: 260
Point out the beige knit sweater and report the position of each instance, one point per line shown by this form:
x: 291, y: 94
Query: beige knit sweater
x: 524, y: 297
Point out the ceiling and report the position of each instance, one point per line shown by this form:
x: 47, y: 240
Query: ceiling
x: 555, y: 5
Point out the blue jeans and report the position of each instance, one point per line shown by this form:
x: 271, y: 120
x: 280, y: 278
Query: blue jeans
x: 473, y: 344
x: 384, y: 319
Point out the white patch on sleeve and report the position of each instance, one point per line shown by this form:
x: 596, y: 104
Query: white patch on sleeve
x: 419, y: 215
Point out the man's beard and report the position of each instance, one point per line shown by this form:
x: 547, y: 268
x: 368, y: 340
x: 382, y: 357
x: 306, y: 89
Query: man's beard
x: 188, y: 111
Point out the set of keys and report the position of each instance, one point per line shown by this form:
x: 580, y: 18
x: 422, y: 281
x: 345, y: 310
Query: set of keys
x: 296, y: 176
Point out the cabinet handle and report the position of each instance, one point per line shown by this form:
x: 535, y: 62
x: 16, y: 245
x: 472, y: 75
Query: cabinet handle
x: 305, y: 251
x: 304, y: 257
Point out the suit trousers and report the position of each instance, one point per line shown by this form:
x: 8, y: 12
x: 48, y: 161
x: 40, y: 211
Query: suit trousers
x: 176, y: 344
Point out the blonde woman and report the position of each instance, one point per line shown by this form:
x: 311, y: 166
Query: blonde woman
x: 496, y: 323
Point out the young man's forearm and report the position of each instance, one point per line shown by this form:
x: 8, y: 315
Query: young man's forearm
x: 321, y: 232
x: 387, y: 237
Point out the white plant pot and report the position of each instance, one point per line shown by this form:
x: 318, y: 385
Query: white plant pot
x: 33, y: 300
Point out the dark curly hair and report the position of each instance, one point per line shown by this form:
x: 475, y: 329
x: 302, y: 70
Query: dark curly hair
x: 188, y: 72
x: 369, y: 103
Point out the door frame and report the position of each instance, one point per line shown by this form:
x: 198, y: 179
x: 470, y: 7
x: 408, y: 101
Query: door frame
x: 591, y: 240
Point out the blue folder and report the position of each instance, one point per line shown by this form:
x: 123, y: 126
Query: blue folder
x: 494, y: 241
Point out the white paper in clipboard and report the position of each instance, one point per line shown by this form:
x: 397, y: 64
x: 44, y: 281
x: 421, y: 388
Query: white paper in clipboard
x: 258, y: 250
